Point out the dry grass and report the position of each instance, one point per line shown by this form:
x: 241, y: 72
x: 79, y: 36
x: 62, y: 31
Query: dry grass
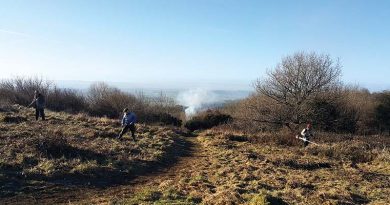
x: 74, y: 150
x: 232, y: 169
x: 226, y: 167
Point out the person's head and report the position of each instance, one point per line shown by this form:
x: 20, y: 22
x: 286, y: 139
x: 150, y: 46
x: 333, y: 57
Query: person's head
x: 36, y: 93
x: 125, y: 110
x: 308, y: 126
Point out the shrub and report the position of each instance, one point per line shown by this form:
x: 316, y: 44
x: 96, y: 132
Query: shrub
x: 333, y: 116
x: 382, y: 112
x: 100, y: 100
x: 21, y: 90
x: 108, y: 101
x: 68, y: 100
x: 207, y: 120
x: 163, y: 118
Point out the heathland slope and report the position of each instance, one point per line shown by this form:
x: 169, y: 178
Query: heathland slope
x: 75, y: 159
x: 41, y: 161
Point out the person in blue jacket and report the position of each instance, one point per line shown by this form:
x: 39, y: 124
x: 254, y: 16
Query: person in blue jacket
x: 128, y: 123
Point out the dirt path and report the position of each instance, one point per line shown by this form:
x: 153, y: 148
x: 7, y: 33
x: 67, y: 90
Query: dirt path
x: 188, y: 155
x: 183, y: 164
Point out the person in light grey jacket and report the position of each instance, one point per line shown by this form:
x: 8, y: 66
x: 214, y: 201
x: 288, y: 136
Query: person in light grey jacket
x: 128, y: 123
x: 39, y: 102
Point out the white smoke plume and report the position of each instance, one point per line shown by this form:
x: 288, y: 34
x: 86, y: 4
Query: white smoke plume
x: 195, y: 99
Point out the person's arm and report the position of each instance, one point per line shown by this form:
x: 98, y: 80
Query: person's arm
x: 32, y: 102
x: 303, y: 133
x: 123, y: 119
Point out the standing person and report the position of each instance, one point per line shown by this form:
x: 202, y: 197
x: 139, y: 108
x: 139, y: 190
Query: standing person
x: 128, y: 122
x: 306, y: 134
x: 39, y: 101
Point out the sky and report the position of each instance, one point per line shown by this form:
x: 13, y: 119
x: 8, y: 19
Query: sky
x: 221, y: 44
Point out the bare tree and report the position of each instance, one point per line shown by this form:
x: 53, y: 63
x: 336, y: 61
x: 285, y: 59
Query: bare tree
x: 293, y: 83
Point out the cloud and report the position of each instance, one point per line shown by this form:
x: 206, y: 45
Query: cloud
x: 16, y: 33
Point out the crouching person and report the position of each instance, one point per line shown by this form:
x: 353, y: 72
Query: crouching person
x: 128, y: 123
x: 306, y: 135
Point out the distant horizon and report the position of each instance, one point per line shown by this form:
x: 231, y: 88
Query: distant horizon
x: 181, y: 85
x: 372, y: 87
x: 208, y: 94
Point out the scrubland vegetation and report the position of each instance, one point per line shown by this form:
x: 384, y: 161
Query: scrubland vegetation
x: 101, y: 100
x: 305, y: 88
x: 243, y: 153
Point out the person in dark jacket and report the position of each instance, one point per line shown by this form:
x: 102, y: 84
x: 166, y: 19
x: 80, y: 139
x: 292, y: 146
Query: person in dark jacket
x: 39, y: 102
x: 306, y: 134
x: 128, y: 123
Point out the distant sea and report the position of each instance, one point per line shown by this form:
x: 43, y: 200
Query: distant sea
x: 219, y: 95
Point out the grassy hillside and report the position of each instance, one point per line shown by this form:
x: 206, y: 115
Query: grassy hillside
x: 74, y: 151
x: 75, y: 159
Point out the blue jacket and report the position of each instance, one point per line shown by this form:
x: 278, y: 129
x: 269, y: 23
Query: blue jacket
x: 129, y: 118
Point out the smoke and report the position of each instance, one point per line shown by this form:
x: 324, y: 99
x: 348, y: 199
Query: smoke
x: 195, y: 99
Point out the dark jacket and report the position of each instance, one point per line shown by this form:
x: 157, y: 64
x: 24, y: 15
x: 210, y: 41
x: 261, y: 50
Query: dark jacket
x: 39, y: 101
x: 306, y: 133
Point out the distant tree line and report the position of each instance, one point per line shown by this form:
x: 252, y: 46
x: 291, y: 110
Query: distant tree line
x: 100, y: 100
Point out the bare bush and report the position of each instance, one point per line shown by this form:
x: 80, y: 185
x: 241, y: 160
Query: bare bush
x: 333, y: 113
x: 207, y: 120
x: 161, y: 109
x: 292, y: 84
x: 360, y: 104
x: 100, y: 100
x: 21, y: 90
x: 165, y: 104
x: 108, y: 101
x: 68, y: 100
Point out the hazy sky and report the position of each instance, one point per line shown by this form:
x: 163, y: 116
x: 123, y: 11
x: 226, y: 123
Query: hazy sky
x: 224, y: 43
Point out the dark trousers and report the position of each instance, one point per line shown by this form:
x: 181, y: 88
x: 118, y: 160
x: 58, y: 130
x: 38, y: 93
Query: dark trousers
x: 127, y: 128
x: 39, y: 112
x: 305, y: 143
